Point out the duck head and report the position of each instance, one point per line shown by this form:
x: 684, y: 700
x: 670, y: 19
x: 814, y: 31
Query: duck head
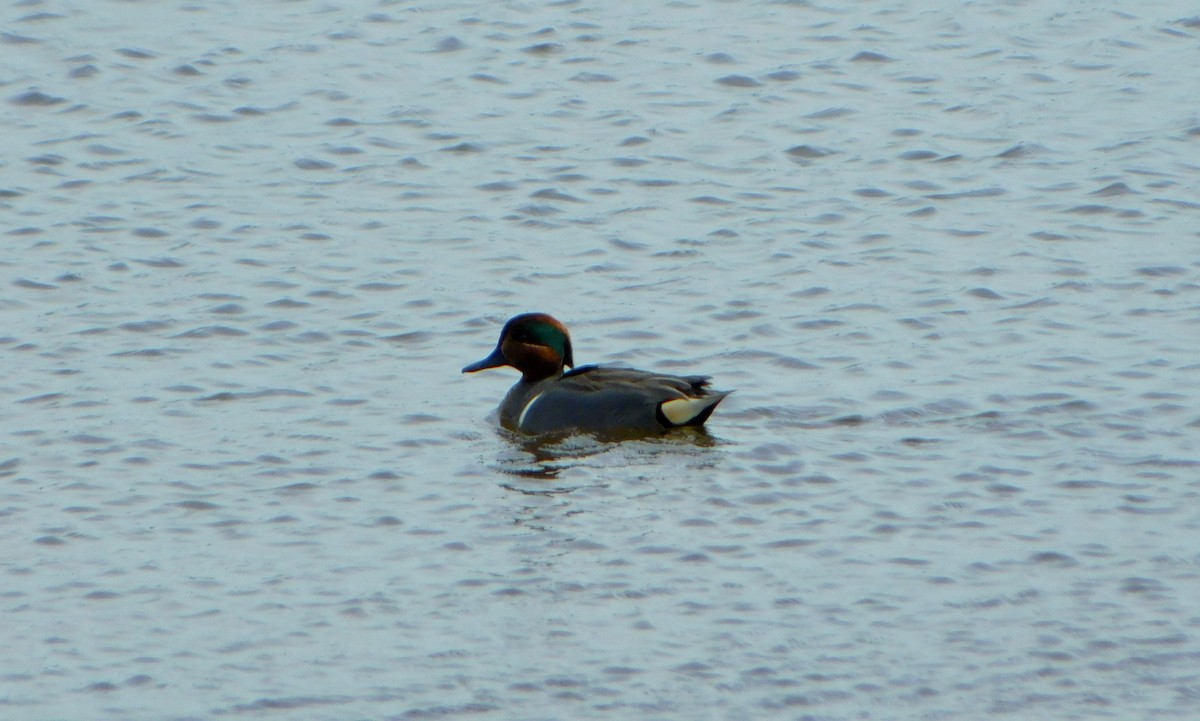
x: 534, y: 343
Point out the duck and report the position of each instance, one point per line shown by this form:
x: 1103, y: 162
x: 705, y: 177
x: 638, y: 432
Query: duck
x: 588, y: 399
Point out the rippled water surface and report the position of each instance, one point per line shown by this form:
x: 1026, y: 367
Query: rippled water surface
x: 947, y: 257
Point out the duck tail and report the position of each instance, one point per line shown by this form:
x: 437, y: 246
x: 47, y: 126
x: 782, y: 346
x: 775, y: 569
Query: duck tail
x: 689, y: 411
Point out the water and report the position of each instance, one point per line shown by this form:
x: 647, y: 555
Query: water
x: 945, y: 256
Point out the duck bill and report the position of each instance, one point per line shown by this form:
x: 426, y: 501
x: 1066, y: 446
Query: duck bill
x: 495, y: 360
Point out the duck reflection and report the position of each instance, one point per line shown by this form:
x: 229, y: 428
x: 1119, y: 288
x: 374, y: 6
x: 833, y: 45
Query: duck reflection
x: 545, y: 457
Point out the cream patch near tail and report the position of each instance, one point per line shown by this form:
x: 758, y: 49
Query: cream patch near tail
x: 682, y: 410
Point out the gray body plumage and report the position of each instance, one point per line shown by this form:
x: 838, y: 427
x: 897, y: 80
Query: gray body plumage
x: 599, y: 399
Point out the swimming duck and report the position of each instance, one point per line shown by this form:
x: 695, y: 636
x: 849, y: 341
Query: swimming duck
x: 589, y: 398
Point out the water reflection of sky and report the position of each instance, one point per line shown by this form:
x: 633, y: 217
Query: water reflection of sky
x: 945, y: 258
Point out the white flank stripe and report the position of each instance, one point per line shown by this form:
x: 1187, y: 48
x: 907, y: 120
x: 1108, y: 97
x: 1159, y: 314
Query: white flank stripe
x: 521, y: 419
x: 682, y: 410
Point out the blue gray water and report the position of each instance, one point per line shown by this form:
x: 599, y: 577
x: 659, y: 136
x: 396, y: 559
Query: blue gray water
x: 947, y: 257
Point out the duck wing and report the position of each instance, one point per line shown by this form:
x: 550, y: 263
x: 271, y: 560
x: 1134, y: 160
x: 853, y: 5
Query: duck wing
x: 601, y: 398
